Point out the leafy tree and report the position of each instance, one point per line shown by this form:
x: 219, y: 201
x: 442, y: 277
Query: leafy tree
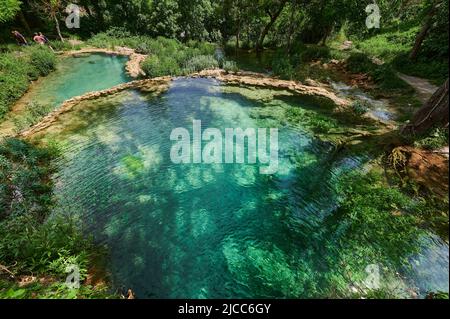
x: 164, y: 17
x: 273, y: 10
x: 51, y: 9
x: 9, y: 9
x: 432, y: 9
x: 194, y: 17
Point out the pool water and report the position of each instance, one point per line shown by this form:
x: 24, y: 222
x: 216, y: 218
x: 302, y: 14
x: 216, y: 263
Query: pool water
x: 76, y: 76
x: 209, y: 230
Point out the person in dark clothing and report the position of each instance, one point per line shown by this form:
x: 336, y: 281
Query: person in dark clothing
x: 19, y: 38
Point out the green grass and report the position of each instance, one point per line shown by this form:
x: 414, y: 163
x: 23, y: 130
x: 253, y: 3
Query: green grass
x: 387, y: 46
x: 55, y: 290
x: 32, y: 114
x: 393, y: 47
x: 18, y: 68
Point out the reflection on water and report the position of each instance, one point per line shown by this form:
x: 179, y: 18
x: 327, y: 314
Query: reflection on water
x: 197, y: 230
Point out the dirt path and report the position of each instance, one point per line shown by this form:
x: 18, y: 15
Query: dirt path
x: 423, y: 87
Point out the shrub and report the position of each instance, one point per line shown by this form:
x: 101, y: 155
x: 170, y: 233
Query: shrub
x: 166, y: 56
x: 436, y: 70
x: 434, y: 139
x: 15, y: 73
x: 25, y: 181
x: 154, y: 66
x: 64, y: 46
x: 360, y: 63
x: 43, y: 60
x: 230, y: 66
x: 30, y: 242
x: 200, y: 62
x: 204, y: 48
x: 18, y: 68
x: 387, y: 79
x: 32, y: 114
x: 282, y: 66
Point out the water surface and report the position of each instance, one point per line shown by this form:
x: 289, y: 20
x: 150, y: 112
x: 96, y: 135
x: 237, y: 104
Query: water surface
x: 78, y: 75
x: 213, y: 230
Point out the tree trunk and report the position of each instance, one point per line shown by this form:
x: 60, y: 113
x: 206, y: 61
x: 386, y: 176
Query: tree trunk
x: 422, y: 33
x: 238, y: 34
x: 24, y: 22
x: 290, y: 32
x: 434, y: 113
x: 327, y: 33
x: 58, y: 29
x: 265, y: 31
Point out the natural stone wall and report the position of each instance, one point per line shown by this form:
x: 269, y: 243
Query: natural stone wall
x: 258, y: 79
x: 150, y: 85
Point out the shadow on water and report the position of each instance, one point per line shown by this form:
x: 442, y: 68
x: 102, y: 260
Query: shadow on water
x: 197, y: 230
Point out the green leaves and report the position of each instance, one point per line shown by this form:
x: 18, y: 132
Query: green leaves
x: 16, y: 72
x: 8, y: 9
x: 43, y: 60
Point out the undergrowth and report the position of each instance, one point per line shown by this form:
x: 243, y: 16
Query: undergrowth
x: 32, y: 244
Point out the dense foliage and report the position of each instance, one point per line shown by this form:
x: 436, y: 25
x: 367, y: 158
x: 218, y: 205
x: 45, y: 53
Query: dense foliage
x: 30, y: 242
x: 17, y: 69
x: 165, y: 56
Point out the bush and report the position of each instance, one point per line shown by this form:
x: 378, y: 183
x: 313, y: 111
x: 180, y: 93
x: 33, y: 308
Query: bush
x: 64, y: 46
x: 166, y: 56
x: 282, y: 67
x: 43, y: 60
x: 436, y: 70
x: 384, y: 75
x: 32, y: 114
x: 23, y: 176
x: 313, y: 53
x: 230, y: 66
x: 360, y: 63
x: 154, y: 66
x: 15, y: 74
x: 17, y: 69
x: 434, y: 139
x: 387, y: 79
x: 200, y: 62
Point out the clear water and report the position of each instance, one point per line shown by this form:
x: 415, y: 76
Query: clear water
x: 207, y: 231
x: 78, y: 75
x: 378, y: 109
